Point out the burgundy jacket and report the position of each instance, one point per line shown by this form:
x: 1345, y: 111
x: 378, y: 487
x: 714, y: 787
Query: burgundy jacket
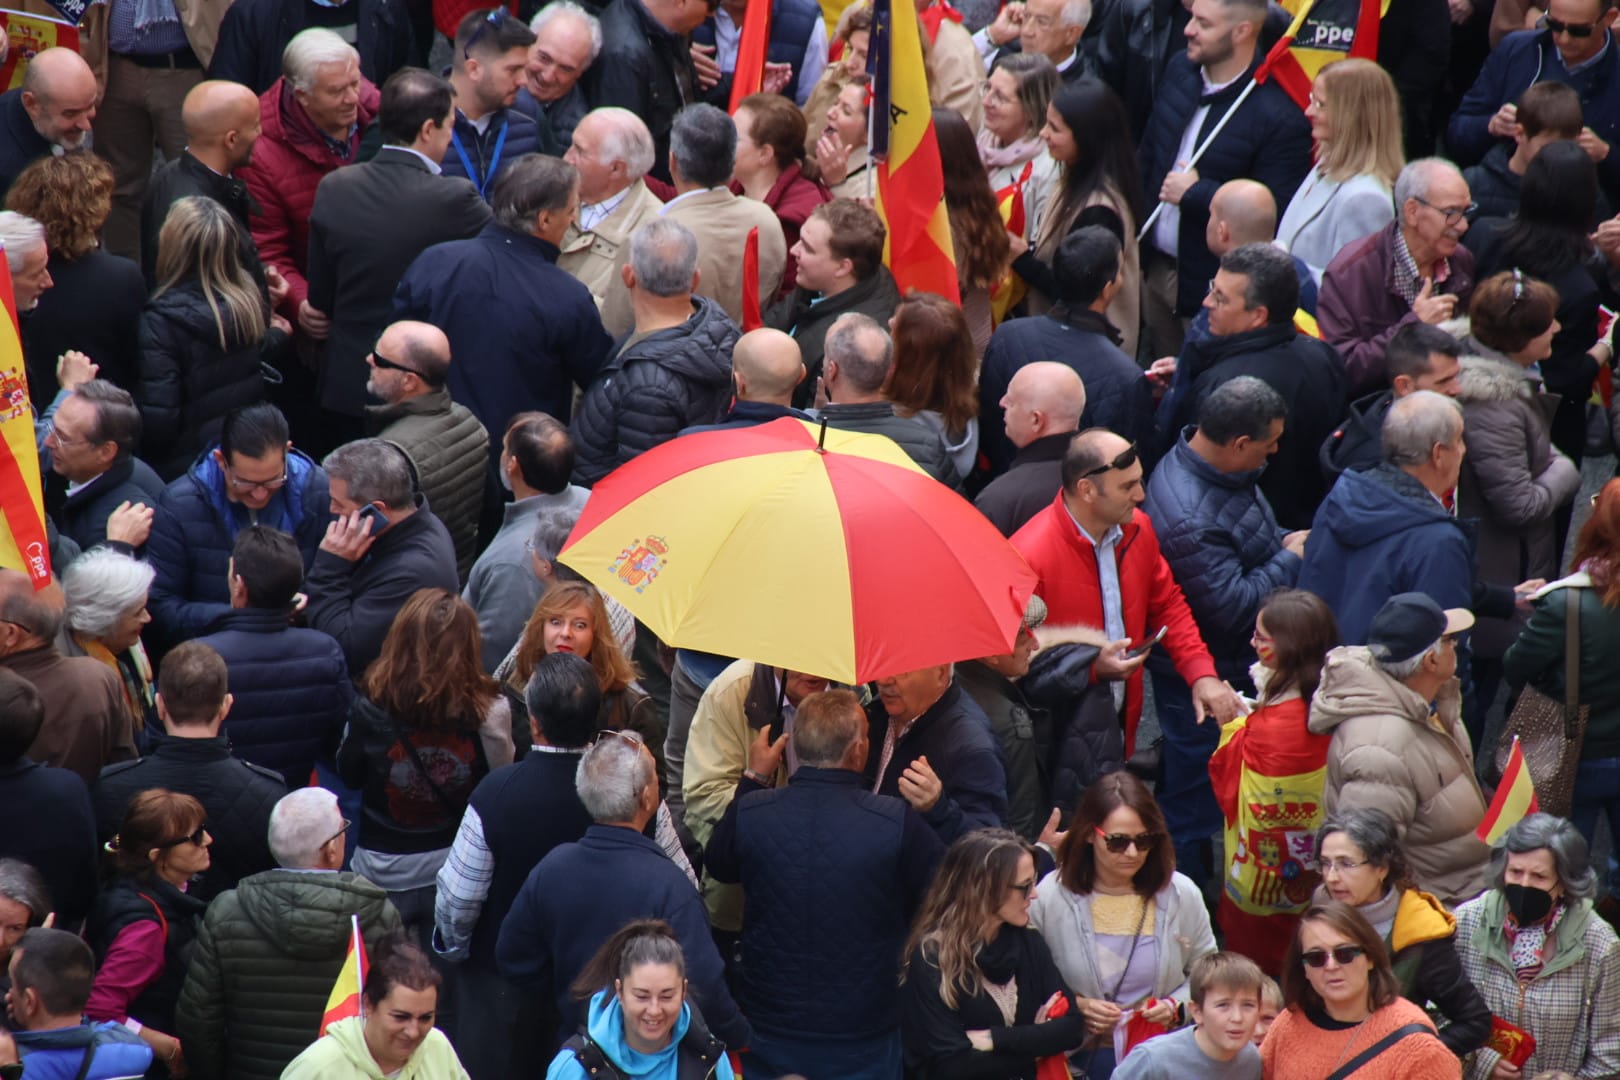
x: 1358, y: 309
x: 793, y: 197
x: 289, y: 160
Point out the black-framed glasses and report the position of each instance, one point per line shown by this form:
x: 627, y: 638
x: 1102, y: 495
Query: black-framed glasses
x: 1342, y: 955
x: 1119, y: 843
x: 1023, y: 888
x: 1559, y: 26
x: 381, y: 361
x: 196, y: 838
x: 239, y: 484
x: 1452, y: 214
x: 493, y: 19
x: 340, y: 834
x: 1125, y: 459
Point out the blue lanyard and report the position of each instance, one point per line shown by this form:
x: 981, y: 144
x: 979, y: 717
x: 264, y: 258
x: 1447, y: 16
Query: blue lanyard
x: 494, y: 159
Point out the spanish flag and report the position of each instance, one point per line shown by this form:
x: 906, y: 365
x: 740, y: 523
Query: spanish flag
x: 23, y: 542
x: 911, y: 182
x: 753, y: 46
x: 1322, y: 31
x: 1515, y: 797
x: 27, y: 36
x: 344, y: 1000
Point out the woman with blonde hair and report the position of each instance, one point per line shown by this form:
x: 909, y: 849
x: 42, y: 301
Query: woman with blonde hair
x: 1356, y: 121
x: 427, y: 726
x: 203, y: 336
x: 840, y: 150
x: 94, y: 303
x: 854, y: 32
x: 979, y: 985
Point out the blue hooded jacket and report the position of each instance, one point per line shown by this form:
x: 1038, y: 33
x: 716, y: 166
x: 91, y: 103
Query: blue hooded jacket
x: 58, y: 1053
x: 605, y: 1025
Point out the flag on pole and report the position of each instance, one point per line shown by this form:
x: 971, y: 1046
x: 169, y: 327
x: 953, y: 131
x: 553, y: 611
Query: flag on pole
x: 1515, y: 797
x: 1322, y: 31
x: 23, y: 543
x: 751, y: 317
x: 29, y: 35
x: 344, y: 1000
x: 752, y: 51
x: 911, y: 181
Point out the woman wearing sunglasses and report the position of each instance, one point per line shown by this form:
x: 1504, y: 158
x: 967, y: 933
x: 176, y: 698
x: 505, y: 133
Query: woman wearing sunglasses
x: 1359, y: 855
x: 980, y: 995
x: 1122, y: 925
x: 143, y: 923
x: 1345, y: 1015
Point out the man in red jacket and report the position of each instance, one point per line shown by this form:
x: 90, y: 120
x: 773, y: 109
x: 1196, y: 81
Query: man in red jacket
x: 1099, y: 564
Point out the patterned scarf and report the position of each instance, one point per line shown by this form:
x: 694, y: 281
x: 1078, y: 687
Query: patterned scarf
x: 1527, y: 945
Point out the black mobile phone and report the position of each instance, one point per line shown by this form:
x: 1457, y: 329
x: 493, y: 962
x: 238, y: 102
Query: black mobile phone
x: 1138, y: 650
x: 379, y: 522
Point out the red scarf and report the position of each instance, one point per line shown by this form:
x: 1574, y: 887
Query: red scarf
x: 933, y: 14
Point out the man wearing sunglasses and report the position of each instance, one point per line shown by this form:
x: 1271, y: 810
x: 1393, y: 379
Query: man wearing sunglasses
x: 51, y: 973
x: 1099, y: 564
x: 1572, y: 44
x: 491, y: 51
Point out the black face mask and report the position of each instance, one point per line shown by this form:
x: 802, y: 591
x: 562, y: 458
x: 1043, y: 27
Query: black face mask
x: 1528, y: 904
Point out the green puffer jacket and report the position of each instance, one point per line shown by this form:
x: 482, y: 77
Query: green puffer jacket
x: 449, y: 449
x: 264, y: 963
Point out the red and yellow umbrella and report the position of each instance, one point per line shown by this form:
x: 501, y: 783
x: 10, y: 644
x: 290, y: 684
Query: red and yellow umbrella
x: 822, y: 551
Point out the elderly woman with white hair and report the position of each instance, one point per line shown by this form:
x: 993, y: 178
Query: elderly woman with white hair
x: 1543, y: 960
x: 106, y: 612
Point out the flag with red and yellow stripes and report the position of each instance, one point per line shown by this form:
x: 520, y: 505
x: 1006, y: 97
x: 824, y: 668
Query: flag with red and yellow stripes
x: 1515, y: 797
x: 23, y: 543
x: 344, y: 1000
x: 911, y: 181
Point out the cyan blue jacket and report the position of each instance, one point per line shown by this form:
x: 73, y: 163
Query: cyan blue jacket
x: 1520, y: 61
x: 1224, y: 547
x: 581, y: 894
x: 195, y: 529
x: 605, y: 1026
x: 833, y: 874
x: 1379, y: 533
x: 58, y: 1053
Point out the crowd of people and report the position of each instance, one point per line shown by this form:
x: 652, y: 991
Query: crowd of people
x: 332, y: 319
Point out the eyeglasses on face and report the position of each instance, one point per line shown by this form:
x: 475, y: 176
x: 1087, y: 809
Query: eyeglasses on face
x: 1023, y: 888
x: 1117, y: 843
x: 379, y: 360
x: 242, y: 484
x: 1453, y: 214
x: 1559, y: 26
x: 631, y: 737
x: 340, y: 834
x: 1342, y: 955
x: 1341, y: 866
x: 1124, y: 460
x: 195, y: 838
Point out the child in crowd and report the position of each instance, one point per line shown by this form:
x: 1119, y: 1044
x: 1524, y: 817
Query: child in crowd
x: 1225, y: 1005
x: 1271, y: 1004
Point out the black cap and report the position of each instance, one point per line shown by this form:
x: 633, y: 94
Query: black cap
x: 1410, y: 622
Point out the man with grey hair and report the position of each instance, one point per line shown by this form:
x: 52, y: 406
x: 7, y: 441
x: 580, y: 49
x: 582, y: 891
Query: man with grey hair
x: 27, y: 257
x: 253, y: 34
x: 833, y: 874
x: 379, y: 549
x: 447, y: 446
x: 702, y: 154
x: 1393, y: 708
x: 567, y: 41
x: 613, y: 150
x: 1412, y: 270
x: 1389, y: 530
x: 672, y: 371
x: 1050, y: 28
x: 92, y: 450
x: 856, y: 360
x: 312, y: 122
x: 582, y: 893
x: 49, y: 113
x: 269, y: 950
x: 523, y: 331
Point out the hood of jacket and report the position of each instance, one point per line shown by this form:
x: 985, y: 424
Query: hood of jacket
x: 1419, y: 917
x: 1364, y: 508
x: 605, y: 1025
x: 695, y: 350
x: 1363, y: 425
x: 1352, y: 685
x: 1491, y: 377
x: 282, y: 119
x: 350, y: 1037
x: 307, y: 913
x: 284, y: 511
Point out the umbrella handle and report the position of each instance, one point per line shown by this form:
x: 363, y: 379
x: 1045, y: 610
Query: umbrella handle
x: 821, y: 442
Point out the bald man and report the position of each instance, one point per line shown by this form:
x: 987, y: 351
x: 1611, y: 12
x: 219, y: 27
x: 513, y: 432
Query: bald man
x: 444, y: 440
x: 766, y: 367
x: 1243, y: 212
x: 222, y: 124
x: 1042, y: 409
x: 87, y: 723
x: 49, y: 113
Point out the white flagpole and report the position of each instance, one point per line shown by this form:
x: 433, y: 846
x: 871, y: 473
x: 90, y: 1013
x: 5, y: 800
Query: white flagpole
x: 1198, y: 153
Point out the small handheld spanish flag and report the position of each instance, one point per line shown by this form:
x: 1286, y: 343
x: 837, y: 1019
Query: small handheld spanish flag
x: 344, y: 1001
x: 1515, y: 797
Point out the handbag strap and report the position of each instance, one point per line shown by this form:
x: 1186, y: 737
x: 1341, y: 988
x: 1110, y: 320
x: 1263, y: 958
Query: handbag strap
x: 1572, y: 659
x: 1405, y: 1030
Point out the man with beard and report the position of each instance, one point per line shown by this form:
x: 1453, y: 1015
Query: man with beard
x: 491, y: 52
x: 49, y: 113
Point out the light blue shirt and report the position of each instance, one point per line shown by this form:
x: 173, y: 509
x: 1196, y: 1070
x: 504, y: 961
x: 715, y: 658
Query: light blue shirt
x: 1108, y: 582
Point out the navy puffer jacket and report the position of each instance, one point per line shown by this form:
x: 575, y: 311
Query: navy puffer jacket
x: 195, y: 529
x: 649, y: 391
x: 1223, y: 545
